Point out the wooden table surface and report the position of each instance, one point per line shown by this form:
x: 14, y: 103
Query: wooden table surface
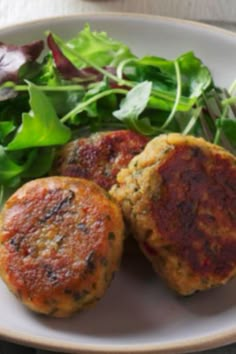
x: 216, y: 12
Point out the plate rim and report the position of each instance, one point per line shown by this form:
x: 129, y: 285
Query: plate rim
x: 180, y: 346
x: 174, y: 20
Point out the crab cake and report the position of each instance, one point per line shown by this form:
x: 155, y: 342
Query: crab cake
x: 99, y: 157
x: 179, y: 197
x: 60, y: 243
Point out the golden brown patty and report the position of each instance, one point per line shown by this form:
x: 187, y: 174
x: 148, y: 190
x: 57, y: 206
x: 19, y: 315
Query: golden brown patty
x: 99, y: 157
x: 60, y: 243
x: 179, y: 196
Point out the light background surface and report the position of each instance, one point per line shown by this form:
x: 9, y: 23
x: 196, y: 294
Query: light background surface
x: 12, y: 11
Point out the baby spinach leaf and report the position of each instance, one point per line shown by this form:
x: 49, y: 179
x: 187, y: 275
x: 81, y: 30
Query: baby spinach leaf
x: 40, y: 127
x: 135, y: 102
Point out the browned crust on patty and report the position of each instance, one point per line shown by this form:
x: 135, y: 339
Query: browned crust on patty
x: 99, y: 157
x: 179, y: 197
x: 61, y: 241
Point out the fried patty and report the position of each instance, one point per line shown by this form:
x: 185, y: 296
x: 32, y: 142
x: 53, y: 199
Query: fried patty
x: 179, y: 198
x: 61, y: 241
x: 99, y: 157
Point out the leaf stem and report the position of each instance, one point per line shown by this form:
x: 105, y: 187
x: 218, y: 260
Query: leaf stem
x: 122, y: 82
x: 232, y: 87
x: 1, y: 194
x: 192, y: 121
x: 219, y: 129
x: 217, y: 136
x: 81, y: 106
x: 22, y: 88
x: 121, y: 66
x: 178, y: 95
x: 87, y: 61
x: 228, y: 101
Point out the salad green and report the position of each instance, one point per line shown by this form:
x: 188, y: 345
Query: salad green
x: 96, y: 83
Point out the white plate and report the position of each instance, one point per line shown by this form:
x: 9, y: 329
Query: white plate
x: 138, y: 314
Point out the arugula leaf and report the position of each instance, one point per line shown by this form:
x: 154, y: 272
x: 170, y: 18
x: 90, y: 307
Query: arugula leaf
x: 9, y: 168
x: 81, y: 83
x: 158, y: 70
x: 228, y: 127
x: 48, y: 75
x: 39, y: 163
x: 64, y: 102
x: 40, y: 127
x: 93, y: 90
x: 5, y: 129
x: 133, y: 105
x: 195, y: 76
x: 135, y: 102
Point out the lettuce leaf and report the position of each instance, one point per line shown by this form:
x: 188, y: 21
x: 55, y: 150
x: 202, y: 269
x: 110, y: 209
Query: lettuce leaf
x: 97, y: 48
